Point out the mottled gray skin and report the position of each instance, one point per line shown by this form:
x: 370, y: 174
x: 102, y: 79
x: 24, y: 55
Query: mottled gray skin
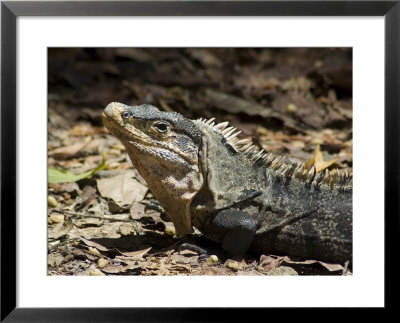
x: 293, y: 217
x: 249, y: 205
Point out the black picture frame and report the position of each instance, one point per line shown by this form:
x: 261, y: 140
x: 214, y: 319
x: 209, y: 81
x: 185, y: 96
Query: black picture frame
x: 11, y: 10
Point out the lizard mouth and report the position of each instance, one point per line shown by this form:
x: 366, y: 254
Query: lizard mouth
x: 125, y: 132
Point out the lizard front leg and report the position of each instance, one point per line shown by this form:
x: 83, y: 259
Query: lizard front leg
x: 234, y: 228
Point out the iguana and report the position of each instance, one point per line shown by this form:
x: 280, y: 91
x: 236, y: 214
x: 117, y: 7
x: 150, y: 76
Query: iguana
x: 232, y: 192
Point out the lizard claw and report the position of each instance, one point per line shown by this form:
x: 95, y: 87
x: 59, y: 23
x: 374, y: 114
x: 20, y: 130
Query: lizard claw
x: 203, y: 254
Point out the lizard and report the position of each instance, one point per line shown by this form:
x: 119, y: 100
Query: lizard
x: 235, y: 194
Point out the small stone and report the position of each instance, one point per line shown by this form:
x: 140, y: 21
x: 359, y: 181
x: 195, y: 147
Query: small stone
x: 102, y: 263
x: 170, y: 230
x: 54, y: 243
x: 51, y: 201
x: 96, y: 272
x: 114, y: 165
x: 56, y: 218
x: 291, y: 107
x: 212, y: 259
x: 318, y: 63
x: 232, y: 265
x: 262, y: 131
x: 94, y: 251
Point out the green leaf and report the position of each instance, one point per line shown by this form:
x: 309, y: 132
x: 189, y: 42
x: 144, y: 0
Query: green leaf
x: 63, y: 176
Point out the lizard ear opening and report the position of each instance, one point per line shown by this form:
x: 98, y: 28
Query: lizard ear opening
x: 220, y: 175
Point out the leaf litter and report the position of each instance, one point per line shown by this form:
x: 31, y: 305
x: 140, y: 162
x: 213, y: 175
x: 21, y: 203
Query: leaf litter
x: 103, y: 220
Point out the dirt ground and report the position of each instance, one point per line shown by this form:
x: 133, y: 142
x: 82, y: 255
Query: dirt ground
x: 102, y: 218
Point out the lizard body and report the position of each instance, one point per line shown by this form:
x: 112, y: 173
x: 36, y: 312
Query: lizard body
x: 246, y: 199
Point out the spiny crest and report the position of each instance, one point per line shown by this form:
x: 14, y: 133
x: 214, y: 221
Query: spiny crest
x: 342, y: 178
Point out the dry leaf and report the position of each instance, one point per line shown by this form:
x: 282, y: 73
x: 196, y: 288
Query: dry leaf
x: 318, y: 162
x: 136, y: 254
x: 123, y: 189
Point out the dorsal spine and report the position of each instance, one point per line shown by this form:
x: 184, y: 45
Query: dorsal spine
x: 332, y: 178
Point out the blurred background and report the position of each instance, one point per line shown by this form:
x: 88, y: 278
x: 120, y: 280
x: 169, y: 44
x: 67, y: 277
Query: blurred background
x: 295, y: 91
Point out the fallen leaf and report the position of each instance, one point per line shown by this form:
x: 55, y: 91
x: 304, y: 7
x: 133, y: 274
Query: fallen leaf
x: 268, y: 263
x: 125, y: 229
x: 88, y: 222
x: 318, y: 162
x: 54, y: 260
x: 282, y: 271
x: 59, y: 230
x: 307, y: 110
x: 96, y: 272
x: 137, y: 210
x: 206, y: 57
x: 123, y: 189
x: 137, y: 253
x: 94, y: 245
x: 61, y: 176
x: 71, y: 188
x: 234, y: 104
x: 314, y: 267
x: 85, y: 129
x: 67, y: 151
x: 88, y: 147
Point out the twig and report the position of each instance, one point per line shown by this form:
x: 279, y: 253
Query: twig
x: 124, y: 217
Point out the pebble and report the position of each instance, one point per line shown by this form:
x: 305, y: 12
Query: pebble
x: 170, y: 230
x: 212, y: 259
x: 56, y: 218
x: 232, y: 265
x: 291, y: 107
x: 318, y: 64
x: 96, y: 272
x: 102, y: 263
x: 51, y: 201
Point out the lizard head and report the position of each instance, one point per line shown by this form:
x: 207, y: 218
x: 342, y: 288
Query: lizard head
x: 164, y: 147
x: 167, y: 135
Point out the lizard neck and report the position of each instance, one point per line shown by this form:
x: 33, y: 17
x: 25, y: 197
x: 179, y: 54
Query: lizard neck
x: 174, y: 190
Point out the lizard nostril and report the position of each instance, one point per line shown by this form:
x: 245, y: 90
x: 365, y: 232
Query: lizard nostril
x: 109, y: 110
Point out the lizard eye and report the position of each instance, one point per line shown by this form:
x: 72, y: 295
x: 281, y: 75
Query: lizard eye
x: 161, y: 126
x: 125, y: 115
